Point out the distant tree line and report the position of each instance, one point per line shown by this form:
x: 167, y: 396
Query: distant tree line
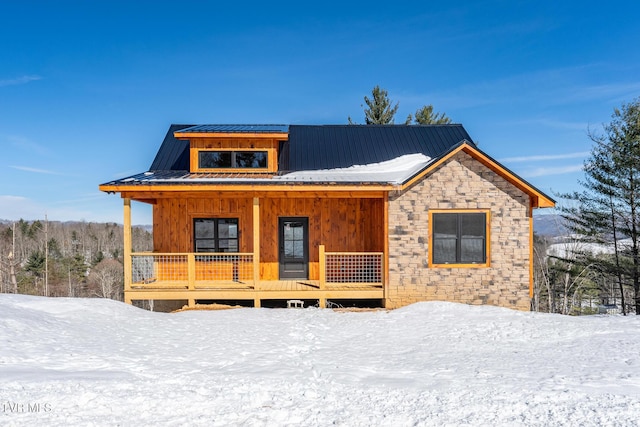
x: 568, y: 280
x: 71, y: 259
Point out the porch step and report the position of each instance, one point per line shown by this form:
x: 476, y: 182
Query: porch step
x: 295, y: 303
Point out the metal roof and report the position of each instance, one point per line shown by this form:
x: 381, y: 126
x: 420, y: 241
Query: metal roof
x: 185, y: 177
x: 323, y: 151
x: 236, y: 129
x: 395, y: 172
x: 340, y: 146
x: 328, y: 146
x: 173, y: 153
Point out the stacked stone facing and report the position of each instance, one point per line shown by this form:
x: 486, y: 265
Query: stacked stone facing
x: 461, y: 182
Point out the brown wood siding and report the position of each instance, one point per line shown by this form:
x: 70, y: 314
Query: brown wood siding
x: 173, y: 221
x: 341, y: 224
x: 234, y: 143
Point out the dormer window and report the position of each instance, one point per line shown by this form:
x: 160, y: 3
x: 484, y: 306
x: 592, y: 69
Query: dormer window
x: 210, y: 159
x: 235, y: 153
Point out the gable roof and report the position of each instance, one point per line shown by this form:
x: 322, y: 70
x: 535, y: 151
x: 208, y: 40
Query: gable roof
x: 538, y: 198
x: 327, y: 155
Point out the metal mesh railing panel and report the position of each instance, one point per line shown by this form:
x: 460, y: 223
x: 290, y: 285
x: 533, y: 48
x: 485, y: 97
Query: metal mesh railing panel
x: 224, y: 267
x: 151, y: 268
x: 353, y: 268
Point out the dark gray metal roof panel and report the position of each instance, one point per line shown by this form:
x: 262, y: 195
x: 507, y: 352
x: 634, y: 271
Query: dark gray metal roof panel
x: 328, y: 146
x: 173, y: 153
x: 339, y: 146
x: 237, y: 129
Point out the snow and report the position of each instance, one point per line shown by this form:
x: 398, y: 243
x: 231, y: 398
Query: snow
x: 394, y: 171
x: 95, y: 362
x: 571, y: 249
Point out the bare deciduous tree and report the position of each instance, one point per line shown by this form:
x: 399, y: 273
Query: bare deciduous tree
x: 106, y: 279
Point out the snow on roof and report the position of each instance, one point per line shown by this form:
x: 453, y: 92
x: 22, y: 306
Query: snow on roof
x: 395, y: 171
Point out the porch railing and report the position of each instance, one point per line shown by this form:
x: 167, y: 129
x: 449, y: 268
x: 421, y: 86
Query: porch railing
x: 190, y: 270
x: 350, y: 268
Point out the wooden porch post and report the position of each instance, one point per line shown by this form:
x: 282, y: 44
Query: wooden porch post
x: 531, y: 253
x: 322, y: 267
x: 385, y: 254
x: 128, y: 265
x: 191, y: 271
x: 256, y: 248
x: 322, y: 275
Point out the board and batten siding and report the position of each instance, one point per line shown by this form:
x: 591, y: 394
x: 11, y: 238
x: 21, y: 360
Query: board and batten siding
x: 341, y: 224
x: 460, y: 183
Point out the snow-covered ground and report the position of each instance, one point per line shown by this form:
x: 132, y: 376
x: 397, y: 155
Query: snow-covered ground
x: 99, y: 362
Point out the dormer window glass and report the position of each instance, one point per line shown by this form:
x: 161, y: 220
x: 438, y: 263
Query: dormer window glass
x: 208, y: 159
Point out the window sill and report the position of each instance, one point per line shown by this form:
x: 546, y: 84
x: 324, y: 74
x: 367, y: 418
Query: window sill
x: 452, y: 265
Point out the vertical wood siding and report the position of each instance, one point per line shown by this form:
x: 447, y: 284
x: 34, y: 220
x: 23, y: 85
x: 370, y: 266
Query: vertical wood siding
x: 341, y: 224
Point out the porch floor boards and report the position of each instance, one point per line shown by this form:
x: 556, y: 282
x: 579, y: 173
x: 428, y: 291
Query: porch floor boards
x: 294, y: 285
x: 266, y: 290
x: 289, y: 285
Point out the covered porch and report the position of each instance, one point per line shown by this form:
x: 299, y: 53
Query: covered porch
x: 354, y: 269
x: 230, y: 276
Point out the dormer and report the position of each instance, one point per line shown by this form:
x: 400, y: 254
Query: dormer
x: 242, y: 149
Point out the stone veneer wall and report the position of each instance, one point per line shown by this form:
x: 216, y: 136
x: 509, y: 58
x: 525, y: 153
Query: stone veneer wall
x: 460, y: 183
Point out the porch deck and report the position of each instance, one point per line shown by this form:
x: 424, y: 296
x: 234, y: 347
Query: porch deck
x: 265, y: 290
x: 299, y: 285
x: 228, y: 276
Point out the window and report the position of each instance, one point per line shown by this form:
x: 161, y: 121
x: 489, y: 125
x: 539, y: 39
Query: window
x: 215, y: 234
x: 232, y: 159
x: 459, y: 238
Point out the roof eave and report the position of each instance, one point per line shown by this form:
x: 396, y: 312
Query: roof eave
x: 538, y: 198
x: 256, y: 135
x: 245, y: 186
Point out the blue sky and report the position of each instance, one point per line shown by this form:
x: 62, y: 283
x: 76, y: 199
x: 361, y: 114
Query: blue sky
x: 88, y: 89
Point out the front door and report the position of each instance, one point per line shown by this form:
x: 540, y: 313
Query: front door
x: 294, y: 248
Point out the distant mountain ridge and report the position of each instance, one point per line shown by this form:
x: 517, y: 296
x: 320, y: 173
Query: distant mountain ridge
x: 543, y: 225
x: 145, y: 227
x: 549, y: 225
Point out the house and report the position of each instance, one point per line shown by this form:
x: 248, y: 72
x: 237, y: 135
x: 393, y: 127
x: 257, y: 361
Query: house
x: 344, y: 213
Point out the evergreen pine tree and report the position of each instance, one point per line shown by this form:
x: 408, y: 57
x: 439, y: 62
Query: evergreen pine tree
x: 426, y: 116
x: 608, y: 208
x: 379, y: 109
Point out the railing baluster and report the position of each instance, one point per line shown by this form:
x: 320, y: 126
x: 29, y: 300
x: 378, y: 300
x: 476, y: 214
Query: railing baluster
x: 191, y: 271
